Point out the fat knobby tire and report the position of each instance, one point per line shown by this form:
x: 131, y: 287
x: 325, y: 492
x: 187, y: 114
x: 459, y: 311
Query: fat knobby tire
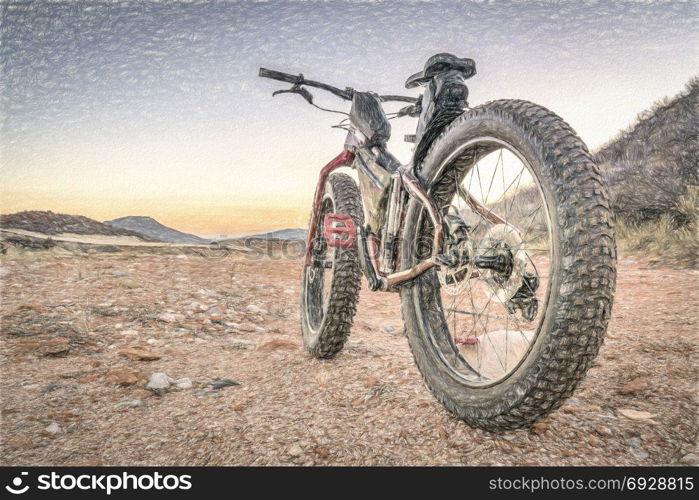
x: 581, y: 294
x: 332, y: 333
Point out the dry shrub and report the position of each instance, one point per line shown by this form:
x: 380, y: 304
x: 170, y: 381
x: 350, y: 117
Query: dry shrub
x: 663, y: 238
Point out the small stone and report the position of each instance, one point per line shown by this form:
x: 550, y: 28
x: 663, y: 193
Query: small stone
x: 58, y: 346
x: 252, y: 308
x: 295, y: 450
x: 632, y: 387
x: 540, y: 428
x: 129, y: 283
x: 129, y: 403
x: 159, y: 383
x: 215, y: 314
x: 54, y: 428
x: 139, y: 353
x: 51, y: 388
x: 122, y: 377
x: 604, y: 431
x: 569, y: 409
x: 690, y: 459
x: 129, y: 333
x: 632, y: 414
x: 220, y: 383
x: 183, y: 383
x: 639, y: 452
x: 167, y: 317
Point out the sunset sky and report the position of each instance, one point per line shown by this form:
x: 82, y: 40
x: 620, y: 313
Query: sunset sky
x: 124, y: 108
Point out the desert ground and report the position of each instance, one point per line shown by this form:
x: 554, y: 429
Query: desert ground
x: 83, y: 333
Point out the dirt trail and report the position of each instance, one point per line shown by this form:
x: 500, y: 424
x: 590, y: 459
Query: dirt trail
x: 66, y: 320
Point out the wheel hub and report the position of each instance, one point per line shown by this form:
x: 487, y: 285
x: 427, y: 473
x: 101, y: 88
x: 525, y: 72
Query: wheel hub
x: 502, y: 262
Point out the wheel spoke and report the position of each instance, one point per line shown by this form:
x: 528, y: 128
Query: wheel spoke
x: 469, y: 312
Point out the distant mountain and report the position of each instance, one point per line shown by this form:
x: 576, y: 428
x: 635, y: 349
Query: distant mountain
x: 47, y: 222
x: 151, y: 228
x: 281, y: 234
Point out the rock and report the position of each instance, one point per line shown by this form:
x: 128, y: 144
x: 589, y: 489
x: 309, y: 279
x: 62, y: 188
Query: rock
x: 246, y: 327
x: 58, y: 346
x: 215, y: 314
x: 632, y: 414
x: 122, y: 376
x: 167, y: 317
x: 183, y: 383
x: 129, y: 332
x: 295, y: 450
x: 241, y: 344
x: 690, y: 459
x: 159, y: 383
x: 129, y: 403
x: 540, y: 428
x: 632, y: 387
x: 252, y: 308
x: 139, y: 353
x: 220, y: 383
x: 129, y: 283
x: 636, y: 448
x: 639, y: 452
x: 321, y: 451
x: 51, y: 388
x: 604, y: 431
x: 54, y: 428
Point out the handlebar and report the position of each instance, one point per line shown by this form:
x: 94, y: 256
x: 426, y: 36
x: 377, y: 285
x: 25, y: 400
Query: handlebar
x: 347, y: 93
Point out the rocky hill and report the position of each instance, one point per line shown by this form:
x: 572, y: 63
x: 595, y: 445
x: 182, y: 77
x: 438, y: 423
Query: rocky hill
x: 652, y: 165
x: 47, y: 222
x: 151, y: 228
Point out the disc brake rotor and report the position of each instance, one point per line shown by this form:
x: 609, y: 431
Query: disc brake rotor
x: 454, y: 280
x: 502, y: 238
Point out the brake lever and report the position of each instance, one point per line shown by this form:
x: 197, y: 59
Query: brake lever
x: 297, y: 89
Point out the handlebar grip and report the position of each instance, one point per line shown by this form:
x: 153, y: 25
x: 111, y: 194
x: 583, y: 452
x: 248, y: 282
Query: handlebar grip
x: 278, y: 75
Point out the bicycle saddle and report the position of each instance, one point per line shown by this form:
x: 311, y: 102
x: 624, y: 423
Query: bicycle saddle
x: 439, y: 63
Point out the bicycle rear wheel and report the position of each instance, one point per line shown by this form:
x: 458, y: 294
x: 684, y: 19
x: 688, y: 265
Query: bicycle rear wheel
x: 505, y: 339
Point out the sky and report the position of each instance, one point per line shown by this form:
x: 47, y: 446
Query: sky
x: 120, y: 108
